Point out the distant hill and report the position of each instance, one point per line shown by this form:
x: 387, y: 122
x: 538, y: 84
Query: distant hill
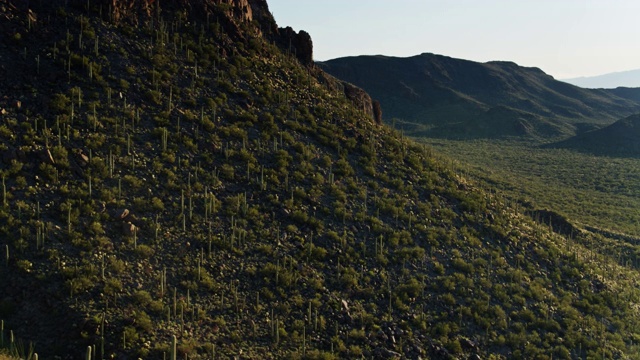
x: 630, y: 78
x: 439, y: 96
x: 621, y: 138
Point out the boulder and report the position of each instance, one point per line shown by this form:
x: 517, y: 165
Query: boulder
x: 120, y: 214
x: 83, y: 159
x: 345, y: 306
x: 128, y: 229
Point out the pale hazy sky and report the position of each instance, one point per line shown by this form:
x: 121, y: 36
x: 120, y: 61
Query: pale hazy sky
x: 565, y: 38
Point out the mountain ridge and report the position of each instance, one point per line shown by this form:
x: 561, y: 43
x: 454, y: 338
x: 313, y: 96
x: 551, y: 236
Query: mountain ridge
x: 431, y: 91
x: 627, y: 78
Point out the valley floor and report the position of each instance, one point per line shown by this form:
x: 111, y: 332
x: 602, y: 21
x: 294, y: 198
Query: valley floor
x: 597, y: 191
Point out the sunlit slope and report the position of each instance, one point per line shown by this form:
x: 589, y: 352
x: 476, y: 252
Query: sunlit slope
x: 185, y: 177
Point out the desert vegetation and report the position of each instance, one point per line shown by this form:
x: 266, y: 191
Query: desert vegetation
x: 185, y: 188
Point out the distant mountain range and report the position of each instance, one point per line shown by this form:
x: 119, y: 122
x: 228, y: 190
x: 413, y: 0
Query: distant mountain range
x: 630, y: 78
x: 439, y: 96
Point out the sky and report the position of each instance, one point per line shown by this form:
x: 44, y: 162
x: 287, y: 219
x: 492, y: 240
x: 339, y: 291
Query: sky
x: 565, y: 38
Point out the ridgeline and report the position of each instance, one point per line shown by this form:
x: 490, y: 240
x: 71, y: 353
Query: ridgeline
x: 438, y: 96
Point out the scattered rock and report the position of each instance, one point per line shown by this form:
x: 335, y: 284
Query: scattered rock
x: 83, y: 159
x: 46, y: 157
x: 129, y: 229
x: 345, y: 306
x: 468, y: 344
x: 120, y: 214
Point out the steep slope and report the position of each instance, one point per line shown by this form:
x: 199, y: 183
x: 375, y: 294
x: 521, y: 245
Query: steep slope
x: 441, y: 96
x: 621, y: 138
x: 177, y: 175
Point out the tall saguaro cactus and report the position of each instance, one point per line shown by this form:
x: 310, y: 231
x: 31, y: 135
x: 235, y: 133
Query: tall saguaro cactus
x: 174, y: 346
x: 4, y: 192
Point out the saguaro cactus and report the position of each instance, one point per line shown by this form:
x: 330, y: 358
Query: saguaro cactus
x: 174, y: 345
x: 4, y: 192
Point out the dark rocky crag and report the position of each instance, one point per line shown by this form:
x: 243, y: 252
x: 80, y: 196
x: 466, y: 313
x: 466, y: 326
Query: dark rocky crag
x: 299, y: 44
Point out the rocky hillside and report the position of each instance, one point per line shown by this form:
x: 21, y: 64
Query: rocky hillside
x: 180, y: 182
x: 438, y: 96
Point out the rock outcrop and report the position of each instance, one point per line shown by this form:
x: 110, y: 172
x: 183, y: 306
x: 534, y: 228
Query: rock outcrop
x: 300, y: 44
x: 359, y: 98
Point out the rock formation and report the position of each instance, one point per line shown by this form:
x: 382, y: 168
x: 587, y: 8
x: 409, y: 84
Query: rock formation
x: 299, y: 44
x: 359, y: 98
